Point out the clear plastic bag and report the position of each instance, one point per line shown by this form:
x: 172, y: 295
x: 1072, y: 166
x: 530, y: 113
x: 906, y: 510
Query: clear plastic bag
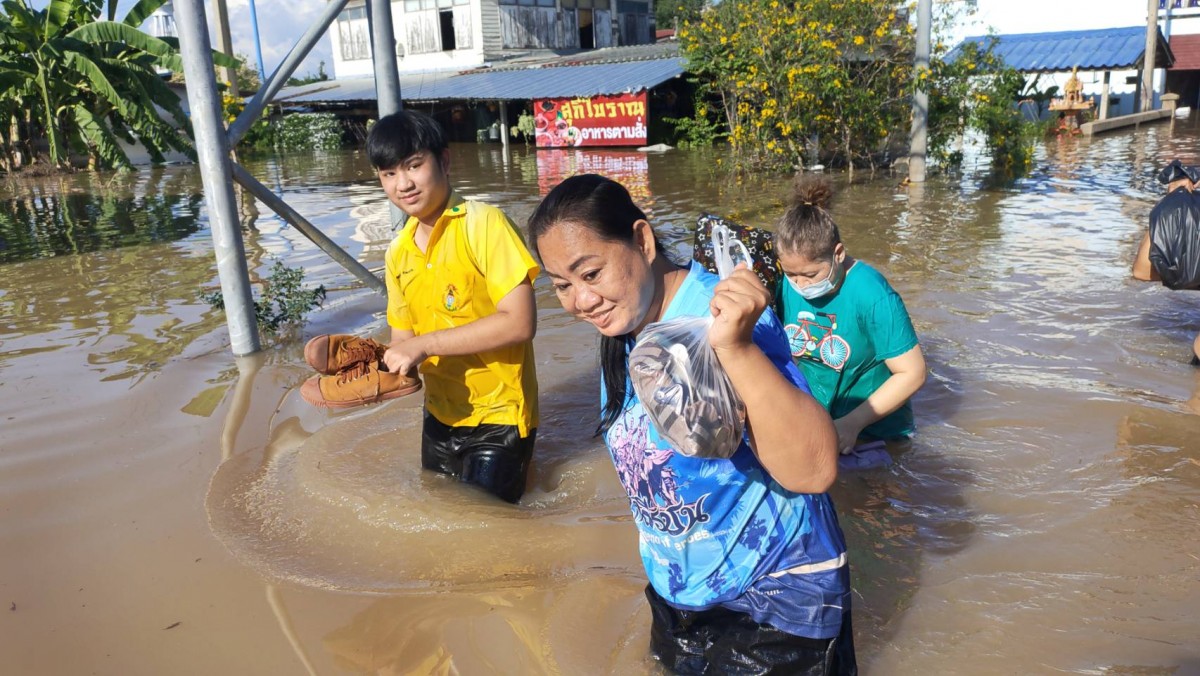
x: 682, y: 386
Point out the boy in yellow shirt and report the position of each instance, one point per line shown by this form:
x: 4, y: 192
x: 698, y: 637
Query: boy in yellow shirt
x: 461, y: 309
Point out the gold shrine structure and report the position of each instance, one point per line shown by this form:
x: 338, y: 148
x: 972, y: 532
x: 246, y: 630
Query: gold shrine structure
x: 1072, y: 105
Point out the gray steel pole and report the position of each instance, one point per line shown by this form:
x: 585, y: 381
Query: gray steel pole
x: 383, y: 54
x: 213, y: 152
x: 288, y: 66
x: 387, y: 74
x: 279, y: 206
x: 1147, y: 99
x: 920, y: 123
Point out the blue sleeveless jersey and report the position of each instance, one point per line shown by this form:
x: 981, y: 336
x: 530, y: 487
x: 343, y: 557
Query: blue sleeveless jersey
x: 719, y: 532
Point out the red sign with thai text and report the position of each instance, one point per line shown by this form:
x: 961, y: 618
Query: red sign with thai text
x: 596, y: 121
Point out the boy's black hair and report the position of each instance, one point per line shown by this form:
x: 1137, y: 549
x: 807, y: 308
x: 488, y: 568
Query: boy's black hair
x: 399, y: 136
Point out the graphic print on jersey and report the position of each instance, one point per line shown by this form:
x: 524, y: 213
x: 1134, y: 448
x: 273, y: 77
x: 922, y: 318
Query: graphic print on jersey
x: 648, y: 479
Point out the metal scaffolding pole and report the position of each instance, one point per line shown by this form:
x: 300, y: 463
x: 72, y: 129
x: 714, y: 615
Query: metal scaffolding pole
x: 920, y: 123
x: 383, y: 54
x: 387, y: 74
x: 212, y: 149
x: 279, y: 206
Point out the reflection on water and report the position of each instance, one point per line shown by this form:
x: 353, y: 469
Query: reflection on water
x: 1039, y: 522
x: 86, y: 212
x: 516, y: 630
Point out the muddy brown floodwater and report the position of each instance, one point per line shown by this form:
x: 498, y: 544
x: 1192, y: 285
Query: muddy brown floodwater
x: 168, y: 509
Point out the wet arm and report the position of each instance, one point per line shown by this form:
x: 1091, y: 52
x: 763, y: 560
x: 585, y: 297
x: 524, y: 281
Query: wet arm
x: 790, y: 432
x: 1142, y: 269
x: 908, y: 375
x: 515, y: 321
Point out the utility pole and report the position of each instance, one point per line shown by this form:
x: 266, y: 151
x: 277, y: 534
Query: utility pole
x: 920, y: 124
x: 1147, y: 101
x: 225, y: 45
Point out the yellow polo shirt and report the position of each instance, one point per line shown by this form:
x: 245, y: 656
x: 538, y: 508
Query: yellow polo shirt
x: 474, y: 258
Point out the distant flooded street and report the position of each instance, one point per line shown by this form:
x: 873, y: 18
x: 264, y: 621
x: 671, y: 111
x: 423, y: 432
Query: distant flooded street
x: 166, y: 508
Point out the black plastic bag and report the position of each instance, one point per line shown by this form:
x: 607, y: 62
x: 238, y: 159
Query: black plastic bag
x: 1175, y: 240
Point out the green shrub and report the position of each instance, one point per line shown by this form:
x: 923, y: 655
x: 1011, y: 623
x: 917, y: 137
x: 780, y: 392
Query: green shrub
x: 284, y: 300
x: 309, y: 131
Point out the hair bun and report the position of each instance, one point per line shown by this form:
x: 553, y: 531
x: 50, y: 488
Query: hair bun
x: 812, y: 191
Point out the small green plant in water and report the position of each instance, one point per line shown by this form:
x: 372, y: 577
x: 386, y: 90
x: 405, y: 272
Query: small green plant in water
x: 524, y: 128
x: 284, y: 300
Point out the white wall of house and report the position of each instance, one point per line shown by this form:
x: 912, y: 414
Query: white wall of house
x: 459, y: 34
x: 1179, y: 20
x: 418, y: 28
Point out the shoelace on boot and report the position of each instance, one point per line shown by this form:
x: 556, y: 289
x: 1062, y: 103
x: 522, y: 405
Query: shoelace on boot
x: 359, y: 370
x: 360, y: 351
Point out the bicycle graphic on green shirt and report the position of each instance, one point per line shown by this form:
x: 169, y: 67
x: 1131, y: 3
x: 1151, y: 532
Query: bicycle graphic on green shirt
x: 809, y: 339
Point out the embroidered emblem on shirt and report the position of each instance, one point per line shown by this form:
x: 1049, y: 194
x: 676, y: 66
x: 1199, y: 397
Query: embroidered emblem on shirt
x: 451, y: 299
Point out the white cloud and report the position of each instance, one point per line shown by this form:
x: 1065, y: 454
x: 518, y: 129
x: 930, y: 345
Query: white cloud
x: 1037, y: 16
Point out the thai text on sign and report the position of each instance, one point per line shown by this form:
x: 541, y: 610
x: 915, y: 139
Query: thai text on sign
x: 596, y: 121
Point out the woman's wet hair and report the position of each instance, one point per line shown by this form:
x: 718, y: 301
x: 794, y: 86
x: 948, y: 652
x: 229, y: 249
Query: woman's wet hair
x: 399, y: 136
x: 807, y: 227
x: 605, y: 207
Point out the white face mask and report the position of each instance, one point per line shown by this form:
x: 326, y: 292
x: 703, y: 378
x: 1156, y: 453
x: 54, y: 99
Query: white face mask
x: 817, y: 289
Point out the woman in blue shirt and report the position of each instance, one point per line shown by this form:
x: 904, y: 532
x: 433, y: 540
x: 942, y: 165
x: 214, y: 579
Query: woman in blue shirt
x: 746, y: 561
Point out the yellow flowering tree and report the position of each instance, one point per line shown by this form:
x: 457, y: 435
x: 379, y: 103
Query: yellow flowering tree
x: 791, y: 80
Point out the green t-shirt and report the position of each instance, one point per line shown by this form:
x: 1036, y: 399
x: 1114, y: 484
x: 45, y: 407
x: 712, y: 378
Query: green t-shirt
x: 840, y: 342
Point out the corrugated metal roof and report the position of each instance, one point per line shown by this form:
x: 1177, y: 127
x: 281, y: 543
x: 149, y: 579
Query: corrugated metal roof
x: 523, y: 84
x: 1100, y: 49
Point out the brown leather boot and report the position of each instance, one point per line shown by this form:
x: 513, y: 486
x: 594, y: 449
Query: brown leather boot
x: 360, y: 384
x: 330, y: 354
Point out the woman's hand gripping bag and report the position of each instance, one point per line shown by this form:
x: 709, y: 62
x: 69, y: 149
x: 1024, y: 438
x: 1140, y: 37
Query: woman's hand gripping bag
x: 682, y: 386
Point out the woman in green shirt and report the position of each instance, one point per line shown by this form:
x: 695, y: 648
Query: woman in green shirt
x: 848, y: 328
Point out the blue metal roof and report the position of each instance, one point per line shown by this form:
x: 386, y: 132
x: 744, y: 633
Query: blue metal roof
x: 1100, y: 49
x: 524, y: 83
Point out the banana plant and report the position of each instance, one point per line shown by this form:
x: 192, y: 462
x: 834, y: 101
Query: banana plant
x: 89, y: 82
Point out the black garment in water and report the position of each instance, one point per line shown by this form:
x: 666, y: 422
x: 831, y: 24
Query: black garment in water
x: 724, y: 642
x: 1175, y: 239
x: 493, y: 457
